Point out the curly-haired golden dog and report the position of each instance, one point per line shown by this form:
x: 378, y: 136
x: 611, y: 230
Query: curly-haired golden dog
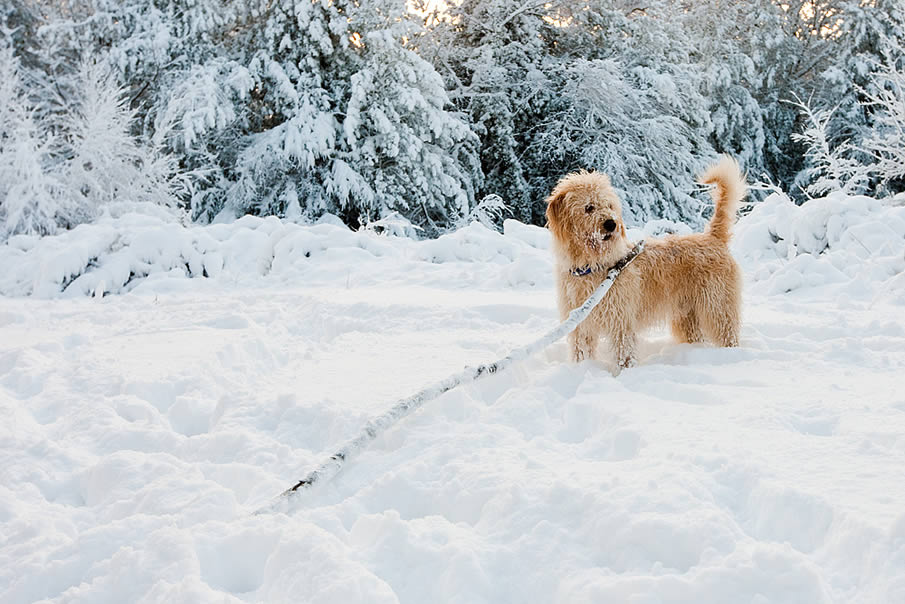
x: 691, y: 281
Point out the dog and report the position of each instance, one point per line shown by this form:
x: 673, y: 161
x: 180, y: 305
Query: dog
x: 690, y: 281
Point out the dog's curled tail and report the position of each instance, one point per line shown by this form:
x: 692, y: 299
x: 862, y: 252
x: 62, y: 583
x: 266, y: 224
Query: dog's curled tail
x: 730, y: 189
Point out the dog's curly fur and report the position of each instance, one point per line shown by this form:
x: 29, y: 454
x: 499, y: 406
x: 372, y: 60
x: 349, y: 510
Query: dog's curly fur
x: 691, y: 281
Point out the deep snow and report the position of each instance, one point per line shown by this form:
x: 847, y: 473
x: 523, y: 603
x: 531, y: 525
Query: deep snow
x: 140, y: 430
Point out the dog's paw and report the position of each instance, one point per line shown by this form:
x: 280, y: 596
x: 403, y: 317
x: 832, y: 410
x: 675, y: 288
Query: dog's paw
x: 580, y: 354
x: 627, y: 363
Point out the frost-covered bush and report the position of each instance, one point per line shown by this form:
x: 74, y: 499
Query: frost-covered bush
x: 105, y: 163
x: 831, y: 166
x: 887, y: 141
x: 31, y: 198
x: 64, y: 157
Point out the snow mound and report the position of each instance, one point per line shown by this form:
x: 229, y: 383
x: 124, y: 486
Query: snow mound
x: 140, y: 252
x: 853, y: 242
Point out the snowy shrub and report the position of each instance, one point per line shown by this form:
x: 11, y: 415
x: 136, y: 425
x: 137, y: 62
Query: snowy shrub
x: 31, y: 199
x: 65, y: 157
x: 887, y: 141
x: 105, y: 163
x: 488, y: 212
x: 831, y: 166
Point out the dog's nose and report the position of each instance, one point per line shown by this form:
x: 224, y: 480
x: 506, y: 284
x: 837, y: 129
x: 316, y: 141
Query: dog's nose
x: 610, y: 225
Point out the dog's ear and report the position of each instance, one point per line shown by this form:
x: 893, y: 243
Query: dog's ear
x: 555, y: 213
x: 622, y: 230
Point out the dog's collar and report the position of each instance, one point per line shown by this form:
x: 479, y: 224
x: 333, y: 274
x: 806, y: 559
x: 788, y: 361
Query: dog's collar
x: 584, y: 271
x: 587, y: 270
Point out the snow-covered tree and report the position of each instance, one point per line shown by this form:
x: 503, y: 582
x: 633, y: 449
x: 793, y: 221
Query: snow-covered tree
x: 886, y: 142
x: 300, y: 70
x: 408, y: 153
x: 337, y: 117
x: 202, y: 119
x: 855, y: 36
x: 557, y: 86
x: 153, y: 43
x: 632, y: 108
x: 479, y: 47
x: 30, y: 199
x: 376, y: 111
x: 66, y: 148
x: 741, y: 49
x: 862, y: 36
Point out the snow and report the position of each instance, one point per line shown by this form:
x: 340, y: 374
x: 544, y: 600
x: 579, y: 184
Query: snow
x: 142, y: 427
x: 841, y: 240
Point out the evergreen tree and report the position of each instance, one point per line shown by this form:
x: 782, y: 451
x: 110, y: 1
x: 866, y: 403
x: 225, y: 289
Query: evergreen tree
x: 409, y: 153
x: 490, y: 52
x: 300, y: 72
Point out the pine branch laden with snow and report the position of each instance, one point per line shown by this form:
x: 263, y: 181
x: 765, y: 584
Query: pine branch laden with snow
x: 488, y: 212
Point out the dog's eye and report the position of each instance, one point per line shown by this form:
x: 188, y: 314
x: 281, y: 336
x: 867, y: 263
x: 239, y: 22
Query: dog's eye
x: 589, y: 208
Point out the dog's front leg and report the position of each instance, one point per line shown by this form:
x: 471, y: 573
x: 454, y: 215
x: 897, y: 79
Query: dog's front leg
x: 583, y: 343
x: 622, y: 343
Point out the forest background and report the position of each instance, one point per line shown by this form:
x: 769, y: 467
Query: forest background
x: 427, y: 115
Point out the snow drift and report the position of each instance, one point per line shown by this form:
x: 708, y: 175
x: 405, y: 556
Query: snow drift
x: 783, y: 247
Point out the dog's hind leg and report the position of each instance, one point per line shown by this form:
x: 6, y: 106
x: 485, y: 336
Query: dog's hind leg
x: 721, y: 321
x: 686, y: 328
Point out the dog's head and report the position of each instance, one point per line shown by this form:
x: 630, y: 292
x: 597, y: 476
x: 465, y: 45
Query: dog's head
x: 584, y: 215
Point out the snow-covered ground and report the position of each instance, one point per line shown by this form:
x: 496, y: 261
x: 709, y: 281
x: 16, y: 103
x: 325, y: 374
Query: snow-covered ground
x: 140, y: 429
